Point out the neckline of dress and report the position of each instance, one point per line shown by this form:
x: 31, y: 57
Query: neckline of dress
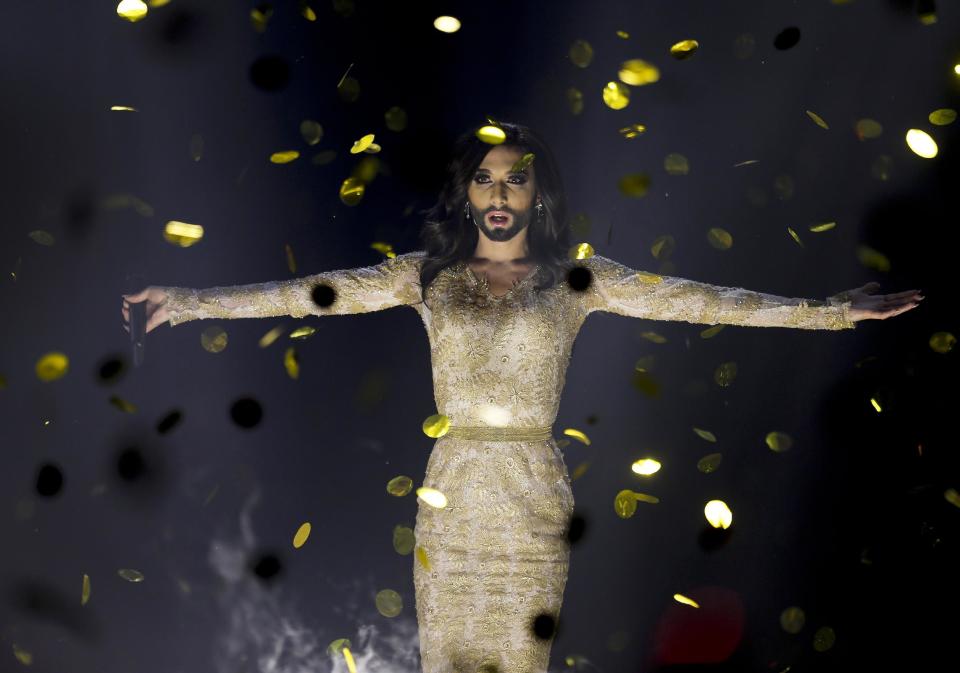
x: 485, y: 284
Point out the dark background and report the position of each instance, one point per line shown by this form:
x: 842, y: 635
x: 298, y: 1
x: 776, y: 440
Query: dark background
x: 851, y: 524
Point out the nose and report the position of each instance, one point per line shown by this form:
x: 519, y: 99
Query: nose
x: 499, y: 197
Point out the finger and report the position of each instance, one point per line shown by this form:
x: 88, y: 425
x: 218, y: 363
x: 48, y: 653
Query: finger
x: 872, y: 286
x: 902, y: 295
x: 135, y: 297
x: 125, y: 312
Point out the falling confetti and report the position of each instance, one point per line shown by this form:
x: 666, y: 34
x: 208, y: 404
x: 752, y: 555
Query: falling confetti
x: 634, y: 185
x: 523, y: 163
x: 389, y: 603
x: 432, y: 497
x: 646, y: 466
x: 130, y: 575
x: 362, y: 144
x: 122, y: 108
x: 395, y: 118
x: 684, y: 49
x: 711, y: 332
x: 575, y: 100
x: 122, y: 404
x: 718, y: 514
x: 23, y: 656
x: 270, y: 336
x: 300, y: 538
x: 867, y: 128
x: 577, y: 434
x: 921, y: 144
x: 680, y: 598
x: 792, y: 620
x: 132, y: 10
x: 823, y: 639
x: 400, y: 486
x: 351, y: 191
x: 873, y: 259
x: 284, y: 157
x: 721, y: 239
x: 725, y: 373
x: 311, y: 131
x: 825, y: 226
x: 291, y: 362
x: 942, y: 117
x: 182, y: 233
x: 213, y: 339
x: 85, y: 590
x: 436, y: 425
x: 818, y: 119
x: 42, y: 237
x: 492, y: 135
x: 616, y: 96
x: 403, y: 540
x: 637, y: 72
x: 52, y: 366
x: 446, y: 24
x: 709, y: 463
x: 632, y: 131
x: 303, y: 332
x: 778, y: 442
x: 307, y: 12
x: 625, y: 504
x: 676, y: 164
x: 260, y: 17
x: 581, y: 53
x: 705, y: 434
x: 942, y: 342
x: 422, y: 557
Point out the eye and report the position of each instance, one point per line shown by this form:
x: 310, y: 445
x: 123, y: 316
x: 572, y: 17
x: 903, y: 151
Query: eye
x: 479, y: 178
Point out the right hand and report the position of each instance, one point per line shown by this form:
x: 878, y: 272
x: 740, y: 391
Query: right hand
x: 156, y: 299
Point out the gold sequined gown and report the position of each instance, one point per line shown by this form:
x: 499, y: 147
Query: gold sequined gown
x: 497, y: 552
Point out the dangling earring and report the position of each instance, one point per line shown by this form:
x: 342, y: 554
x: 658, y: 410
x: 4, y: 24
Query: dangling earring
x: 540, y: 209
x: 466, y: 210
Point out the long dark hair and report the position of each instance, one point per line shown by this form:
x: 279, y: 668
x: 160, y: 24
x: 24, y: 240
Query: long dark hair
x: 448, y: 237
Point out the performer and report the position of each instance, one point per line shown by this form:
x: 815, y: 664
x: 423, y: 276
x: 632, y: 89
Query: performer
x: 502, y: 304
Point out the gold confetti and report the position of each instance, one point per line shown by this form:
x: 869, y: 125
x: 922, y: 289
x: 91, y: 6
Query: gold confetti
x: 351, y: 191
x: 580, y: 251
x: 182, y: 233
x: 826, y: 226
x: 432, y: 497
x: 616, y: 96
x: 663, y: 246
x: 680, y: 598
x: 818, y: 119
x: 284, y: 157
x: 581, y: 53
x: 792, y: 620
x: 637, y: 72
x: 85, y: 590
x: 794, y: 236
x: 646, y: 466
x: 422, y: 557
x: 873, y: 259
x: 336, y: 647
x: 952, y: 497
x: 778, y: 441
x: 403, y: 540
x: 684, y: 49
x: 747, y: 163
x: 492, y: 135
x: 385, y: 248
x: 446, y: 24
x: 303, y: 532
x: 42, y: 237
x: 579, y: 470
x: 311, y: 131
x: 307, y: 12
x: 575, y: 100
x: 260, y: 16
x: 213, y: 339
x: 646, y: 384
x: 634, y: 185
x: 436, y: 425
x: 52, y: 366
x: 349, y: 89
x: 130, y: 575
x: 676, y: 164
x: 643, y: 497
x: 823, y: 639
x: 122, y: 404
x: 122, y: 108
x: 711, y: 332
x: 867, y: 128
x: 291, y: 262
x: 400, y: 486
x: 23, y: 656
x: 270, y: 336
x: 577, y: 434
x: 291, y: 362
x: 395, y: 118
x: 303, y: 332
x: 942, y: 342
x: 654, y: 337
x: 718, y: 514
x: 623, y: 35
x: 943, y: 116
x: 132, y: 10
x: 876, y: 404
x: 921, y: 144
x: 705, y: 434
x: 632, y: 131
x: 523, y: 163
x: 721, y: 239
x: 625, y: 504
x: 725, y: 373
x: 709, y: 463
x: 389, y: 603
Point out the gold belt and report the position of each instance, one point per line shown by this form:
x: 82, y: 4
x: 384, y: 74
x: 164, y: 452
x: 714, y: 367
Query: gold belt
x: 492, y: 433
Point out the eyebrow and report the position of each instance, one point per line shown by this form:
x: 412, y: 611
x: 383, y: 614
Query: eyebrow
x: 487, y: 170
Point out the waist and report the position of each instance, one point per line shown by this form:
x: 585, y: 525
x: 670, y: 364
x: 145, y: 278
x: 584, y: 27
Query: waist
x: 503, y: 434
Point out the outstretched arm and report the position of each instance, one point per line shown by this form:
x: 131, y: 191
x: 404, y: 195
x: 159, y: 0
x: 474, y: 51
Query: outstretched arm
x: 619, y: 289
x: 393, y: 282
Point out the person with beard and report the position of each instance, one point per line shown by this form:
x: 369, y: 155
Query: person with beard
x: 502, y: 301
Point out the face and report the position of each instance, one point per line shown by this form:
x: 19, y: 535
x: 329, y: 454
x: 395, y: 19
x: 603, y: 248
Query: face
x: 501, y: 202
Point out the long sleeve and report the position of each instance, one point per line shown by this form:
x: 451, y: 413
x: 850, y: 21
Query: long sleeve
x: 393, y: 282
x: 619, y: 289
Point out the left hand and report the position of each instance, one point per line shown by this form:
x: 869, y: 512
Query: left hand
x: 867, y: 306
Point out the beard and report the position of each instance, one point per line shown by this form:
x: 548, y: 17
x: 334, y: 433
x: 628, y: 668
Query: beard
x: 520, y: 222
